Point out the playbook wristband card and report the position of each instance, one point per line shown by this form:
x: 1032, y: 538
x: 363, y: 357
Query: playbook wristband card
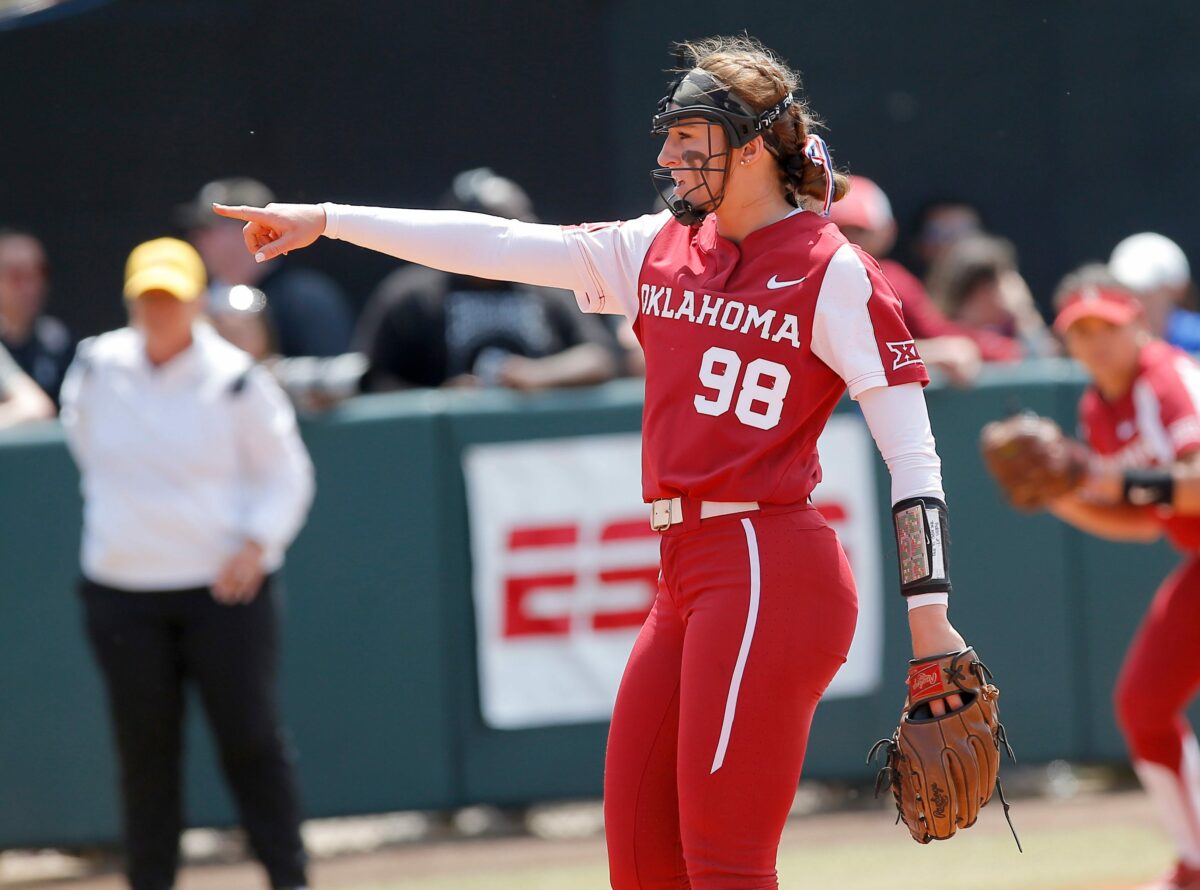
x: 923, y: 545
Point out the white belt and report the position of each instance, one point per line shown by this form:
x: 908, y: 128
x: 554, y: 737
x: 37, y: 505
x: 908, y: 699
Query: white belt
x: 666, y: 512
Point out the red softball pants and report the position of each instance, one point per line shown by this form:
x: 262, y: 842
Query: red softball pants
x: 1161, y: 673
x: 754, y: 615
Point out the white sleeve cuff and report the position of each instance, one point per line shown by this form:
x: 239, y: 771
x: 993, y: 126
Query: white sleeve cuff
x: 333, y: 220
x: 928, y: 599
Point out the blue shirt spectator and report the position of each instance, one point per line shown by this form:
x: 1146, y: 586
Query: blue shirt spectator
x: 1156, y: 269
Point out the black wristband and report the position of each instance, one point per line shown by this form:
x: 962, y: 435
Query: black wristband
x: 1149, y: 486
x: 923, y: 544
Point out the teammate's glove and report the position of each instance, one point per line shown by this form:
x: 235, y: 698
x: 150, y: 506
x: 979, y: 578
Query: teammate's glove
x: 1031, y: 460
x: 942, y: 770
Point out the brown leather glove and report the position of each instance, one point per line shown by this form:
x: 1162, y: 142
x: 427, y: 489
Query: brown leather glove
x: 942, y: 770
x: 1031, y: 460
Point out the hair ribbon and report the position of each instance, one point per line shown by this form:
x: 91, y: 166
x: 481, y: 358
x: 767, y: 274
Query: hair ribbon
x: 817, y: 152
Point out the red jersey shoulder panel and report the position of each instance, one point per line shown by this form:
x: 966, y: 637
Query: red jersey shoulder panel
x: 858, y: 327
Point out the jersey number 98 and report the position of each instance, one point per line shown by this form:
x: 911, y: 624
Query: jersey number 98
x: 719, y: 371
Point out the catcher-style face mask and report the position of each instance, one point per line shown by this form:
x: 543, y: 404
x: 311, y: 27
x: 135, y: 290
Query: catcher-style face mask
x: 699, y: 97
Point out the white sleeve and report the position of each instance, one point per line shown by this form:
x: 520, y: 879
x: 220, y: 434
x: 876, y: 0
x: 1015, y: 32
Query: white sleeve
x: 280, y: 474
x: 600, y: 262
x: 899, y: 422
x: 459, y: 242
x: 858, y: 322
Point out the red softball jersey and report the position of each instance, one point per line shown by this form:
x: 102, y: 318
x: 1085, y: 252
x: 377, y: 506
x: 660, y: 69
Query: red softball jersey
x: 749, y: 346
x: 1152, y: 425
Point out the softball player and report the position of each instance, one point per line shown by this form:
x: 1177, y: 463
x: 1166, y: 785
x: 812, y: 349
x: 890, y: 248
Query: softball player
x: 755, y: 315
x: 1141, y: 419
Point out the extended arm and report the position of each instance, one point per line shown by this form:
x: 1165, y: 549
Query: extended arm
x: 458, y: 242
x: 581, y: 365
x: 451, y: 240
x: 587, y: 357
x: 1116, y: 522
x: 1112, y: 503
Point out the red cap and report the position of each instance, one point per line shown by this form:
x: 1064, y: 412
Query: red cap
x: 1108, y: 304
x: 865, y: 206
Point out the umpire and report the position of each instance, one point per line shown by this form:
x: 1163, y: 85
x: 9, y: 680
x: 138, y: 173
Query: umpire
x: 195, y: 481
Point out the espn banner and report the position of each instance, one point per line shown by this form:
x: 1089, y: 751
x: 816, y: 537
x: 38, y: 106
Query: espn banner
x: 566, y: 568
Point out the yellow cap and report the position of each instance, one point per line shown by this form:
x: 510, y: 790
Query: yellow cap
x: 165, y: 264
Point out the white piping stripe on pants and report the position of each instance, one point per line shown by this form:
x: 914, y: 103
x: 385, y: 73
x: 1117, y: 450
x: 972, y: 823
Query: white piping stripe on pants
x: 1175, y: 794
x: 735, y: 682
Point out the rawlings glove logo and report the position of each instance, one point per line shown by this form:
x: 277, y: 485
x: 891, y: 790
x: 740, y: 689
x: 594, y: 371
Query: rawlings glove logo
x: 926, y: 681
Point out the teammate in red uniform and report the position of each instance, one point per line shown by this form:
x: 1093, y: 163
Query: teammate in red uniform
x: 1141, y: 418
x: 755, y: 315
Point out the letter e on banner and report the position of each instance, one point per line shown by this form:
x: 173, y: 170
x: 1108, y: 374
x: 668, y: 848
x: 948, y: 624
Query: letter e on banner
x: 565, y: 572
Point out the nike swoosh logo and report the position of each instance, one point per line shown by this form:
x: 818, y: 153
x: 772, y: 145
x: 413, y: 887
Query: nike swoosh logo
x: 775, y: 284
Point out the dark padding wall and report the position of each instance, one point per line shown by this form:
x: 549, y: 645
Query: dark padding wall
x: 1071, y: 124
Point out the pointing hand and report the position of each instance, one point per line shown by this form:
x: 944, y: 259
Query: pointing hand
x: 276, y: 229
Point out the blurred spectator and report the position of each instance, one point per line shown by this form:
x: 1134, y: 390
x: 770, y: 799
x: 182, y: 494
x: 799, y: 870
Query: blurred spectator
x: 313, y: 383
x: 422, y: 327
x: 865, y: 217
x: 939, y: 224
x: 977, y: 285
x: 308, y: 310
x: 317, y: 383
x: 41, y: 345
x: 1155, y: 268
x: 195, y: 482
x: 239, y: 314
x: 21, y: 400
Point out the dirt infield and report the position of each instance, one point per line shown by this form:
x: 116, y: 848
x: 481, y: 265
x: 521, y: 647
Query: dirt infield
x: 1092, y: 841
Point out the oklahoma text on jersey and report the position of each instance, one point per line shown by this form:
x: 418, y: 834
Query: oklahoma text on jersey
x: 729, y: 314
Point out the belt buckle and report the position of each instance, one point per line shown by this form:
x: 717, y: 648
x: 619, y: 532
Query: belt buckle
x: 660, y: 514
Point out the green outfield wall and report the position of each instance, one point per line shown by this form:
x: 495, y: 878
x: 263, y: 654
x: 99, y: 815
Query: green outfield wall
x: 380, y: 681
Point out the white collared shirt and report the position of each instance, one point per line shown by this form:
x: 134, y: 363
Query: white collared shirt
x: 181, y: 463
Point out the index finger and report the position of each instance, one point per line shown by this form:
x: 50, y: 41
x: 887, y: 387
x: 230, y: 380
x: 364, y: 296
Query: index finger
x: 249, y: 214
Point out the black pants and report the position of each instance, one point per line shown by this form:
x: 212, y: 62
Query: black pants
x: 147, y: 645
